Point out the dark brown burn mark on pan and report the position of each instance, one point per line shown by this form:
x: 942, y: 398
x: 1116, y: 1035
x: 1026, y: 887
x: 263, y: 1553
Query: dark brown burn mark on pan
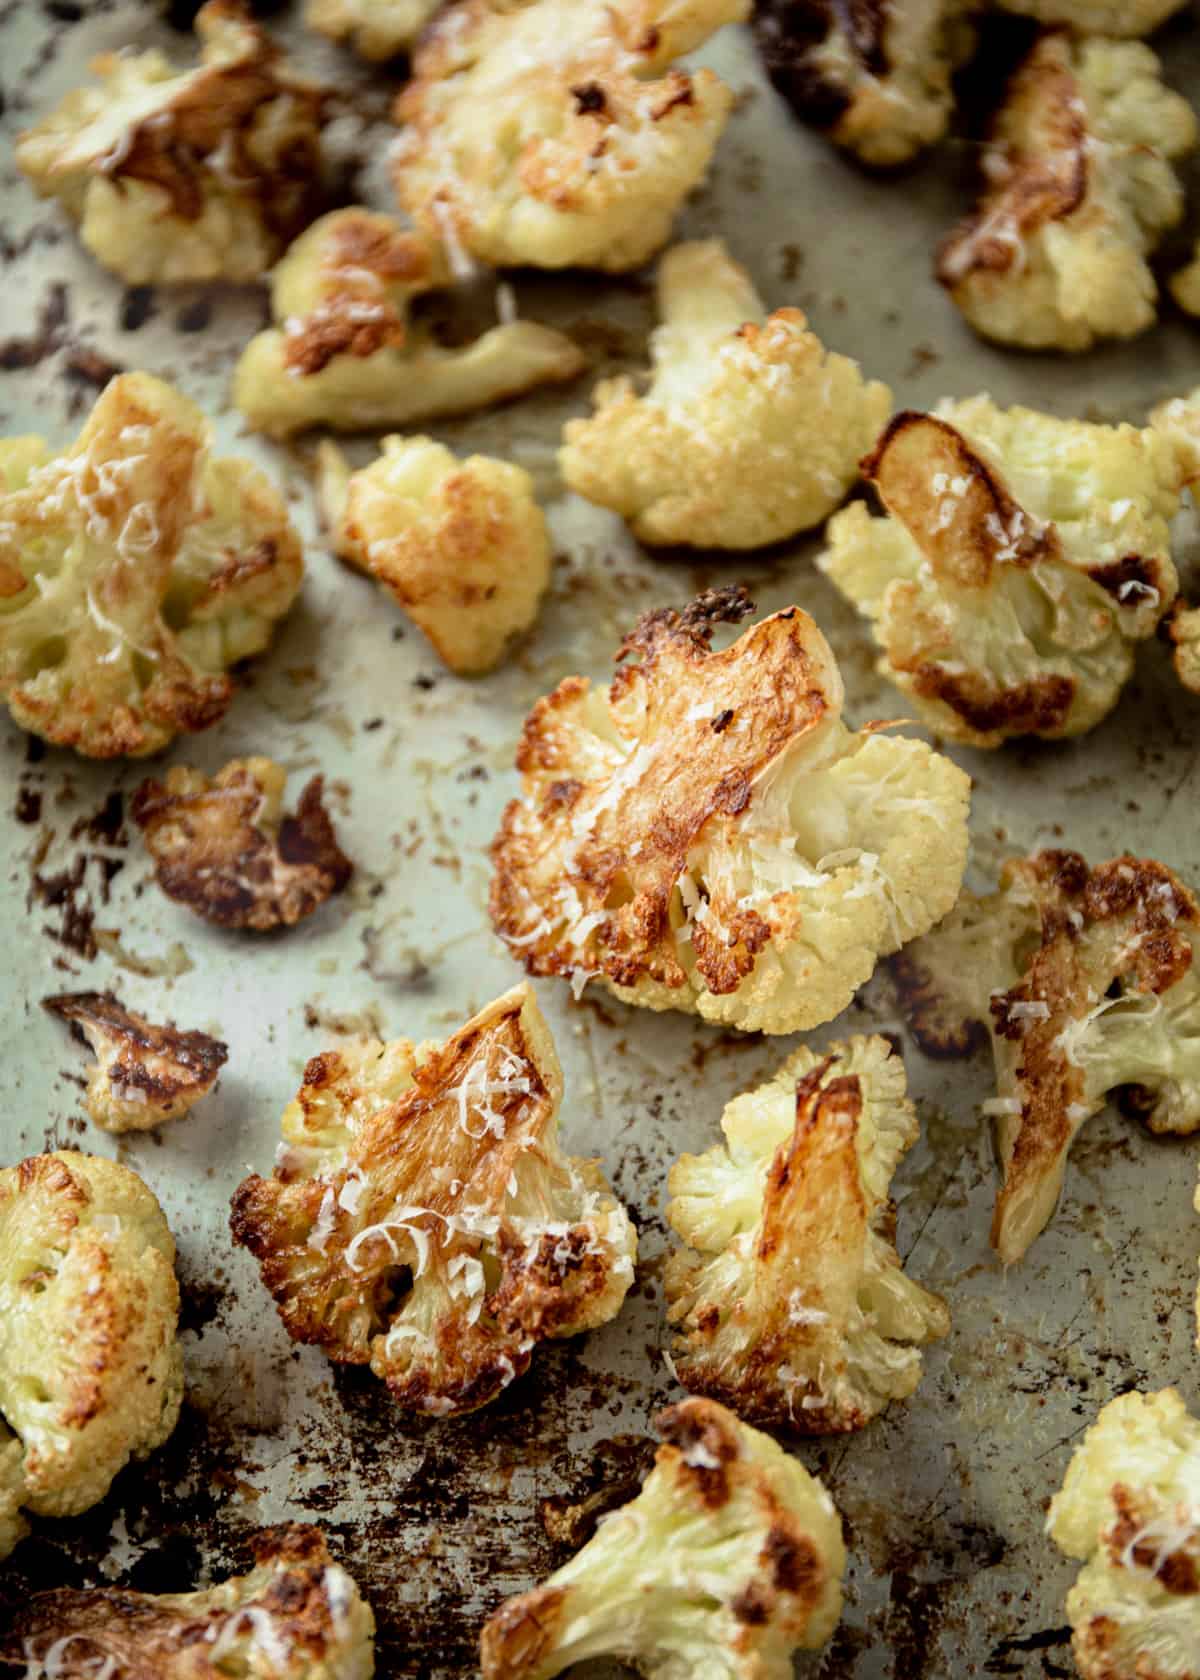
x: 49, y: 336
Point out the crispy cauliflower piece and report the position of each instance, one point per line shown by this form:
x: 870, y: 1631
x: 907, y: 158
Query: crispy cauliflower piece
x: 1097, y: 17
x: 376, y: 29
x: 750, y: 431
x: 1130, y: 1509
x: 1185, y: 285
x: 91, y: 1373
x: 1080, y: 189
x: 557, y: 135
x: 1086, y: 981
x: 173, y: 175
x: 729, y: 1559
x: 226, y: 849
x: 791, y: 1301
x: 296, y: 1616
x: 707, y: 834
x: 1179, y: 421
x: 1019, y: 559
x: 422, y: 1217
x: 462, y: 545
x: 134, y: 570
x: 343, y: 353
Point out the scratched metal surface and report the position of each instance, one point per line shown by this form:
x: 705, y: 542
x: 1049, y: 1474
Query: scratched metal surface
x: 943, y: 1497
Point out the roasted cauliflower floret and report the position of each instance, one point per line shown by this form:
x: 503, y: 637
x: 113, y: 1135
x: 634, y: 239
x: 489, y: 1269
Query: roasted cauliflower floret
x: 227, y: 850
x: 707, y: 834
x: 1097, y: 17
x: 557, y: 135
x: 134, y: 570
x: 296, y: 1616
x: 91, y: 1373
x: 422, y: 1217
x: 1086, y: 982
x: 1185, y: 285
x: 344, y: 354
x: 1130, y: 1509
x: 462, y: 545
x: 143, y: 1074
x: 174, y: 175
x: 1019, y: 559
x: 728, y: 1561
x: 750, y: 430
x: 376, y: 29
x: 791, y: 1301
x: 1080, y: 189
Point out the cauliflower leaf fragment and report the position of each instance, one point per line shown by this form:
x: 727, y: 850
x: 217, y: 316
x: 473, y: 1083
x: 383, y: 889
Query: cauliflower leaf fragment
x: 376, y: 29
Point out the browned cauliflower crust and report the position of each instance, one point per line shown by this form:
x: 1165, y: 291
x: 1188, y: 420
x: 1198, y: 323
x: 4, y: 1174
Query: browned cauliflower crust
x: 1097, y: 17
x: 554, y: 132
x: 226, y: 849
x: 91, y: 1373
x: 707, y: 834
x: 143, y: 1074
x: 173, y: 175
x: 1087, y: 984
x: 296, y: 1616
x: 1080, y: 189
x: 376, y: 29
x: 422, y: 1217
x: 750, y: 430
x: 791, y: 1301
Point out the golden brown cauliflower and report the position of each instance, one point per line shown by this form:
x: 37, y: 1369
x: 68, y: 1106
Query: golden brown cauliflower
x: 226, y: 849
x: 422, y: 1217
x: 1097, y: 17
x: 1086, y: 984
x: 461, y: 545
x: 790, y: 1299
x: 174, y: 175
x: 91, y: 1373
x: 554, y: 132
x: 1185, y: 285
x: 707, y: 834
x: 376, y: 29
x: 1019, y: 560
x: 1079, y: 190
x: 750, y: 430
x: 1179, y: 422
x: 135, y: 569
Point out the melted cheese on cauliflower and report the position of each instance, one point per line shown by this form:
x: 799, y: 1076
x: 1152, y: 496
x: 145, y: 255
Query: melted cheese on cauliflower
x: 376, y: 29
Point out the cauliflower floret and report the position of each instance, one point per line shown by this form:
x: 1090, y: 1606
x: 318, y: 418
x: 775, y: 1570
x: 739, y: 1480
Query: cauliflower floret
x: 532, y: 131
x: 1130, y: 1509
x: 91, y: 1373
x: 1179, y: 422
x: 707, y: 834
x: 1020, y: 558
x: 1079, y: 191
x: 173, y: 175
x: 462, y: 545
x: 750, y: 430
x: 422, y: 1217
x: 345, y: 355
x: 793, y: 1305
x: 376, y: 29
x: 1087, y: 984
x: 729, y: 1559
x: 226, y: 849
x: 1097, y: 17
x: 1185, y: 285
x: 134, y: 569
x: 296, y: 1616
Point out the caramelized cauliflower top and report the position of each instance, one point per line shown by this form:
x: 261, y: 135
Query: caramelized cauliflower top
x: 707, y: 834
x: 422, y: 1217
x: 750, y: 430
x: 1019, y: 559
x: 376, y: 29
x: 1097, y: 17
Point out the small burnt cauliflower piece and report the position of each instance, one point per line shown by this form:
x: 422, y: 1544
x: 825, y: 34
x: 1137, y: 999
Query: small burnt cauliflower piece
x: 135, y: 569
x: 176, y: 176
x: 791, y: 1302
x: 1019, y: 559
x: 376, y: 29
x: 144, y: 1074
x: 91, y: 1373
x: 1080, y: 189
x: 729, y: 1560
x: 423, y: 1219
x: 1130, y: 1510
x: 1097, y: 17
x: 343, y: 353
x: 750, y: 430
x: 296, y: 1616
x: 461, y: 545
x: 707, y: 834
x: 1085, y: 979
x: 554, y: 132
x: 226, y: 849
